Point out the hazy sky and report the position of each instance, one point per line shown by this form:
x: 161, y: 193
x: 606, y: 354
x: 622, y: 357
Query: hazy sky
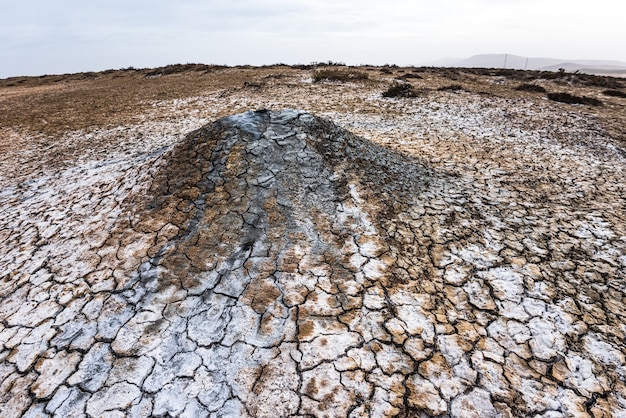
x: 58, y: 36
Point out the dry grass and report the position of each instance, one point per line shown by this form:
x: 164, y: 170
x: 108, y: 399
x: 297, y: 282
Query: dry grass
x: 339, y: 75
x: 451, y: 87
x: 54, y: 104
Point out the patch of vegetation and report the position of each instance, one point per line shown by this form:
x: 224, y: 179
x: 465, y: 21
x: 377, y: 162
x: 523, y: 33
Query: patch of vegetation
x: 329, y: 63
x: 450, y: 73
x: 452, y: 87
x: 571, y: 99
x: 533, y: 88
x: 178, y: 68
x: 400, y: 90
x: 254, y: 85
x: 339, y: 75
x: 595, y: 80
x: 614, y: 93
x: 575, y: 78
x: 409, y: 75
x: 302, y: 66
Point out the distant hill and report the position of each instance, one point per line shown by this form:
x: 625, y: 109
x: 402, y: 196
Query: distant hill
x: 534, y: 63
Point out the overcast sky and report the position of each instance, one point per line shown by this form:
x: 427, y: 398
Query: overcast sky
x: 58, y: 36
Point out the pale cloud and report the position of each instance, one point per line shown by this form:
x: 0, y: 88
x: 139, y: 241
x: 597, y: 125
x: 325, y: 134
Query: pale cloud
x: 41, y: 36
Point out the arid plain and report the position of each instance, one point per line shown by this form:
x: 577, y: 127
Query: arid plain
x: 457, y: 249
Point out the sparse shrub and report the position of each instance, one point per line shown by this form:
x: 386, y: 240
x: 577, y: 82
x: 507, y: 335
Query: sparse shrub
x: 251, y: 84
x: 339, y: 75
x: 277, y: 76
x: 400, y: 90
x: 452, y: 87
x: 533, y: 88
x: 328, y: 63
x: 450, y: 73
x: 303, y: 66
x: 409, y: 75
x: 602, y: 81
x: 581, y: 79
x: 614, y: 93
x: 179, y: 68
x: 571, y: 99
x: 505, y: 72
x: 575, y: 78
x: 386, y: 71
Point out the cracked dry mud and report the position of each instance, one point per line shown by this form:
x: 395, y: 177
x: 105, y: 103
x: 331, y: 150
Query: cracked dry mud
x: 273, y: 264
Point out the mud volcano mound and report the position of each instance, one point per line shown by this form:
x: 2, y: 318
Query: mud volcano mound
x: 272, y: 228
x: 251, y: 194
x: 275, y: 265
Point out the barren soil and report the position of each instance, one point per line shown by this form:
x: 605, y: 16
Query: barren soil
x: 459, y: 253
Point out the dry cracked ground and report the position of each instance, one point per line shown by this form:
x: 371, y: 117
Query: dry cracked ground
x: 461, y: 253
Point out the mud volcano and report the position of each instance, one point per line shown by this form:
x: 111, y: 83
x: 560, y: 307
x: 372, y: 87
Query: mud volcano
x: 275, y: 265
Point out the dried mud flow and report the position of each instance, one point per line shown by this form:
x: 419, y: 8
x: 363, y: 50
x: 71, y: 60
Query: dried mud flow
x: 445, y: 257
